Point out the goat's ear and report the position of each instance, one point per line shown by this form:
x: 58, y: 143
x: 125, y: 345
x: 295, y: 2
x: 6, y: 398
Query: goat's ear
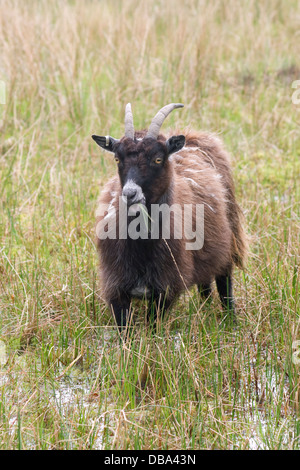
x: 106, y: 142
x: 175, y: 143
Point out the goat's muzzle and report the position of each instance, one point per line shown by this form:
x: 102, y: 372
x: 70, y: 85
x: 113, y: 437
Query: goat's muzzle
x: 133, y: 194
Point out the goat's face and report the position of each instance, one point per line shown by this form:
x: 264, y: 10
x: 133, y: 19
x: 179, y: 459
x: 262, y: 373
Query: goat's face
x: 144, y: 170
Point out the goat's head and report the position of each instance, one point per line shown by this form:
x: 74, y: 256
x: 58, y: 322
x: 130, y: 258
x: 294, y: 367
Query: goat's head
x: 143, y: 164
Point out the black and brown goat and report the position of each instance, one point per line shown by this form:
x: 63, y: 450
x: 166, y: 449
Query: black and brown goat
x: 197, y: 173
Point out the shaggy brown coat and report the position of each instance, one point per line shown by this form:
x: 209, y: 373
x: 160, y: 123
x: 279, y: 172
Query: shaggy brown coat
x: 199, y: 173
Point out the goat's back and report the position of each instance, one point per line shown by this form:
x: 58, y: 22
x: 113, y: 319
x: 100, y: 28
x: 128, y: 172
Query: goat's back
x: 206, y: 165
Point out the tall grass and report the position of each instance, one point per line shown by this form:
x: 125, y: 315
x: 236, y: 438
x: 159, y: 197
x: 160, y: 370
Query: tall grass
x: 66, y: 381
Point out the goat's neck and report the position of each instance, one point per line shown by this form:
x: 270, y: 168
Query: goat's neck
x: 167, y: 197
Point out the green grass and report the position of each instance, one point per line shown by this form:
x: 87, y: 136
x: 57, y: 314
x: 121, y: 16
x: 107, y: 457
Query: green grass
x: 66, y: 381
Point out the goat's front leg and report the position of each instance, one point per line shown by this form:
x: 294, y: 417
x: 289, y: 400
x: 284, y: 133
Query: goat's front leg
x: 120, y: 308
x: 159, y: 304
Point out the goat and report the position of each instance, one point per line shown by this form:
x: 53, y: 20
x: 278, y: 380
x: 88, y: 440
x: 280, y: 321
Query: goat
x: 153, y: 169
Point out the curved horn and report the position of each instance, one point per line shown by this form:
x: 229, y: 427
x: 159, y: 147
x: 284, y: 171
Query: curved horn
x: 159, y: 118
x: 129, y: 128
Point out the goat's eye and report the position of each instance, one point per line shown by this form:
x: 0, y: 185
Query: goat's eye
x: 117, y: 160
x: 158, y: 160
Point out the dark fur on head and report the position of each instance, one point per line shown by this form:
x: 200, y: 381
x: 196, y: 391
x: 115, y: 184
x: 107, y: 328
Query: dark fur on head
x: 138, y: 161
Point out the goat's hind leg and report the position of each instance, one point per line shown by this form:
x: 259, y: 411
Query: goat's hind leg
x: 225, y: 290
x: 204, y: 291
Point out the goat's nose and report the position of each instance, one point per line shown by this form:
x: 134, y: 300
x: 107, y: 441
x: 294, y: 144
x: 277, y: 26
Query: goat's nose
x: 133, y: 193
x: 130, y: 193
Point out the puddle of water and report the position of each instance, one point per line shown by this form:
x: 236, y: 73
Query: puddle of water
x: 71, y: 396
x: 259, y: 391
x: 264, y: 389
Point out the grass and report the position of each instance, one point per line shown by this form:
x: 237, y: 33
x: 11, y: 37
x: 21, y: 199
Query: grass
x: 66, y: 382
